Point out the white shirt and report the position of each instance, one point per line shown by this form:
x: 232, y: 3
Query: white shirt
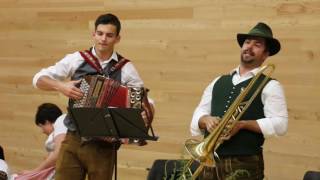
x: 4, y: 167
x: 273, y: 99
x: 66, y: 67
x: 58, y: 128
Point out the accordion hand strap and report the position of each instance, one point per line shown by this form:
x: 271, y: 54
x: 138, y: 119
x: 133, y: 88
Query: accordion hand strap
x: 147, y: 108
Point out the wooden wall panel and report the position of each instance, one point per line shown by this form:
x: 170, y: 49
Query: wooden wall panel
x: 178, y: 46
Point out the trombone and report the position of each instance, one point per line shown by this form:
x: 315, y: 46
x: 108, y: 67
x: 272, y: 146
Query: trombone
x: 201, y: 151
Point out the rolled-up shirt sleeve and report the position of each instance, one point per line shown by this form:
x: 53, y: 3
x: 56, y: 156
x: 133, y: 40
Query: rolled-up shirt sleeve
x: 61, y: 70
x: 275, y: 122
x: 204, y: 108
x: 130, y: 76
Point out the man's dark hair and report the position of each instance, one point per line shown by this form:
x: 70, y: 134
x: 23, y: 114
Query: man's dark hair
x: 108, y: 19
x: 1, y: 153
x: 47, y: 112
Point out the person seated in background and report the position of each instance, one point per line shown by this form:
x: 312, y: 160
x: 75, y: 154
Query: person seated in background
x: 49, y: 119
x: 4, y: 169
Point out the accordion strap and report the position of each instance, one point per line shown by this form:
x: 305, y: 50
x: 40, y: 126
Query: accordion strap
x: 94, y: 62
x: 91, y: 60
x: 118, y: 65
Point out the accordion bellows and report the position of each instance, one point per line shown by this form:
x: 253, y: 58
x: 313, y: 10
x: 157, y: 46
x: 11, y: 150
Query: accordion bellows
x: 100, y: 92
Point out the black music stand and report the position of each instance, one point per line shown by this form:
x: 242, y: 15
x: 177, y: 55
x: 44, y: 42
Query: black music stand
x: 112, y: 122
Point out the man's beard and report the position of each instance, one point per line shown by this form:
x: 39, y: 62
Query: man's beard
x: 248, y: 60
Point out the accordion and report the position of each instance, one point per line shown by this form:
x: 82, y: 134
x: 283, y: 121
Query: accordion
x: 101, y: 92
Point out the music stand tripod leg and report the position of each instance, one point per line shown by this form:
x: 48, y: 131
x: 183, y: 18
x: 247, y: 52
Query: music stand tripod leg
x: 115, y: 161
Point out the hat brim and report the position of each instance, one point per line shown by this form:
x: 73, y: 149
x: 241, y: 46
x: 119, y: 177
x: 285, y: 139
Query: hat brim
x: 272, y: 43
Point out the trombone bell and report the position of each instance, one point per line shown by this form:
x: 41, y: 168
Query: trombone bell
x: 197, y: 150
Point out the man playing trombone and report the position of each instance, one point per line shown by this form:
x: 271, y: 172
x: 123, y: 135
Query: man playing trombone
x: 240, y: 155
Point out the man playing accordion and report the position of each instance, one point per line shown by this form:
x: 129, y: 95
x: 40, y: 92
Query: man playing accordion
x: 94, y: 158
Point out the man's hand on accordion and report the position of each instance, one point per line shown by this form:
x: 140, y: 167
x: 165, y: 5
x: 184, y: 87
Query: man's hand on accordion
x: 147, y: 113
x: 108, y: 139
x: 144, y: 117
x: 112, y: 140
x: 70, y: 89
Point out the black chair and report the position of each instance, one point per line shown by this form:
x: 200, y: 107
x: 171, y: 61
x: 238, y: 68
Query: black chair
x: 312, y: 175
x: 1, y: 153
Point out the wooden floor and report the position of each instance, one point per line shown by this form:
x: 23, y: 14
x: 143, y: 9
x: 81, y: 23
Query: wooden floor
x: 178, y: 48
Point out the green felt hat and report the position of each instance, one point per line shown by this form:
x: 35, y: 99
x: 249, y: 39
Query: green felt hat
x: 264, y: 31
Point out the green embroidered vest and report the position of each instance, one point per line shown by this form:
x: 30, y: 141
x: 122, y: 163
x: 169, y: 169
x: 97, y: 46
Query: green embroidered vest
x: 244, y: 142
